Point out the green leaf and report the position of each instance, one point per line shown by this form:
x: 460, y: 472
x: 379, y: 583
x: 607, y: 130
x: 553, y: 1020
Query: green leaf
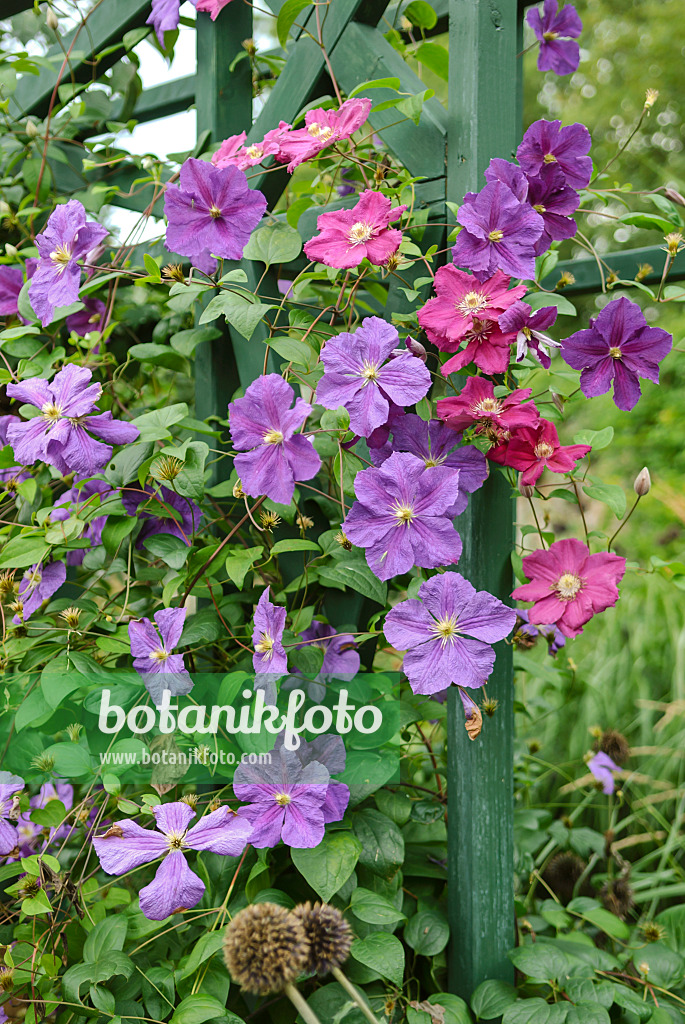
x: 629, y: 1000
x: 172, y: 550
x: 327, y: 866
x: 298, y: 352
x: 239, y: 563
x: 71, y: 760
x: 106, y: 935
x: 587, y: 1013
x: 294, y: 544
x: 197, y: 1009
x: 382, y: 953
x: 287, y: 17
x: 274, y: 243
x: 126, y: 463
x: 159, y: 355
x: 58, y: 680
x: 373, y: 908
x: 535, y: 1011
x: 539, y: 961
x: 375, y: 83
x: 435, y: 58
x: 50, y: 816
x: 115, y: 530
x: 186, y: 342
x: 240, y: 312
x: 427, y: 932
x: 609, y: 494
x: 421, y: 14
x: 491, y: 999
x: 608, y: 923
x: 649, y: 221
x: 382, y: 843
x: 154, y: 426
x: 207, y: 945
x: 537, y: 300
x: 352, y: 571
x: 598, y: 439
x: 23, y: 551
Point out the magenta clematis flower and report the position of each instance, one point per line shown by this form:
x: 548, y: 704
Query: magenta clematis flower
x: 323, y: 128
x: 527, y: 326
x: 150, y: 649
x: 618, y: 347
x: 267, y: 638
x: 175, y: 887
x: 360, y: 375
x: 401, y: 516
x: 38, y: 584
x: 61, y: 435
x: 531, y: 450
x: 569, y: 585
x: 67, y: 238
x: 11, y: 283
x: 603, y: 768
x: 499, y: 233
x: 510, y: 175
x: 448, y: 633
x: 556, y: 31
x: 436, y: 444
x: 346, y: 237
x: 340, y: 654
x: 476, y: 405
x: 551, y: 633
x: 263, y: 426
x: 213, y: 211
x: 287, y: 799
x: 234, y: 152
x: 555, y: 201
x: 546, y: 142
x: 10, y: 785
x: 211, y: 7
x: 460, y: 301
x: 162, y: 511
x: 79, y: 498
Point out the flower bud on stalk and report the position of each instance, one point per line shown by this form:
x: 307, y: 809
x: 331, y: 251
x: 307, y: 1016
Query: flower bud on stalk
x: 643, y: 483
x: 52, y: 20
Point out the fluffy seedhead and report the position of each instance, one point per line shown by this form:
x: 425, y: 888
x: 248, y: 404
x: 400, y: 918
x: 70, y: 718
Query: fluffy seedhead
x: 265, y: 948
x: 329, y: 935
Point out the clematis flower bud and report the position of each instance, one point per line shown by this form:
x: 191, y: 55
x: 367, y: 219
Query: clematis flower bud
x: 643, y: 483
x: 52, y: 20
x: 31, y: 129
x: 674, y: 196
x: 526, y: 490
x: 416, y: 349
x: 11, y: 250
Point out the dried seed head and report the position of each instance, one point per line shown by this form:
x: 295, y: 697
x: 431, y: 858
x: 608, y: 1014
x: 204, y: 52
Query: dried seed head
x: 71, y: 616
x: 74, y: 731
x: 7, y: 584
x: 561, y: 875
x: 617, y: 896
x: 674, y: 243
x: 168, y: 467
x: 329, y: 935
x: 304, y: 522
x: 43, y: 762
x: 269, y: 520
x: 393, y: 261
x: 612, y: 278
x: 643, y: 482
x: 174, y: 272
x: 265, y: 948
x: 343, y: 541
x: 238, y: 491
x: 643, y: 271
x: 615, y: 745
x: 565, y: 280
x: 190, y: 798
x: 652, y: 931
x: 214, y: 804
x: 651, y: 96
x: 489, y: 706
x: 6, y: 979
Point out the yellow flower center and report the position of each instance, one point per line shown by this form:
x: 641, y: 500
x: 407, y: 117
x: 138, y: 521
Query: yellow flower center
x: 273, y: 437
x: 615, y: 352
x: 33, y: 579
x: 51, y: 411
x: 445, y: 628
x: 255, y: 152
x: 320, y: 131
x: 265, y: 646
x: 548, y: 36
x: 549, y: 158
x: 472, y: 302
x: 175, y: 840
x: 434, y: 460
x: 543, y: 450
x: 362, y: 231
x: 160, y: 654
x: 61, y: 256
x: 488, y: 406
x: 283, y: 799
x: 214, y: 212
x: 496, y: 235
x: 370, y: 371
x: 540, y: 208
x: 402, y: 513
x: 567, y: 586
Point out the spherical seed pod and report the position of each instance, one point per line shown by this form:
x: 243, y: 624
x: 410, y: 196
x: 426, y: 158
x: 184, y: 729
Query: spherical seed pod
x: 329, y: 935
x: 265, y: 948
x: 615, y: 745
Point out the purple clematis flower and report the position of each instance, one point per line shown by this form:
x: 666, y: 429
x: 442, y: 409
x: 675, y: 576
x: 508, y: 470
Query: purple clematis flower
x: 10, y: 785
x: 67, y: 238
x: 267, y: 638
x: 340, y: 658
x: 38, y: 584
x: 510, y: 175
x: 10, y: 476
x: 448, y: 633
x: 79, y: 496
x: 61, y: 435
x: 360, y: 375
x: 164, y: 17
x: 263, y: 425
x: 526, y: 631
x: 555, y: 201
x: 164, y: 511
x: 175, y: 887
x: 499, y: 233
x: 401, y: 516
x: 556, y: 31
x: 11, y: 283
x: 546, y: 142
x: 519, y: 319
x: 212, y: 211
x: 436, y: 444
x: 152, y: 652
x: 619, y: 346
x: 91, y: 318
x: 602, y: 767
x: 28, y: 830
x: 285, y: 800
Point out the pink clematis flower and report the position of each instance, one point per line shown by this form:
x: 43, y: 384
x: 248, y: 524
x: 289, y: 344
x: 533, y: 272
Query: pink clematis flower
x: 234, y: 152
x: 323, y: 128
x: 533, y: 449
x: 211, y: 7
x: 461, y: 301
x: 346, y: 237
x: 476, y: 405
x: 568, y: 585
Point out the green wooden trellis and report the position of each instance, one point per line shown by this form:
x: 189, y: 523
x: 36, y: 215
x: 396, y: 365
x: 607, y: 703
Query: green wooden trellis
x: 449, y: 150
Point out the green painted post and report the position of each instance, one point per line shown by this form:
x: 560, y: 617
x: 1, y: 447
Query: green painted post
x: 224, y: 107
x: 484, y: 121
